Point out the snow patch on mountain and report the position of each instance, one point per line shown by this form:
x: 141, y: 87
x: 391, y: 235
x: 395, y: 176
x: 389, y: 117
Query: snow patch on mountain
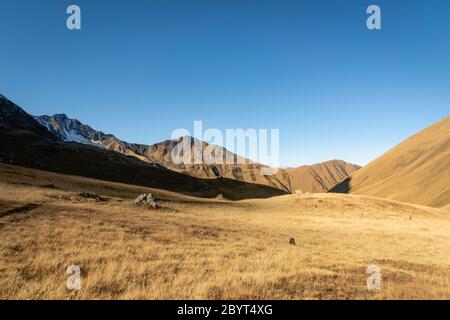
x: 70, y: 135
x: 63, y: 127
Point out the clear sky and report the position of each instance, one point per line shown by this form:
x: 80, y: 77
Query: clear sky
x: 140, y: 69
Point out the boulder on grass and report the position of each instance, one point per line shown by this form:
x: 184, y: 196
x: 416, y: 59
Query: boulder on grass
x: 146, y: 200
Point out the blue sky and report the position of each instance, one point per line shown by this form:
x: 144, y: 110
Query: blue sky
x: 140, y: 69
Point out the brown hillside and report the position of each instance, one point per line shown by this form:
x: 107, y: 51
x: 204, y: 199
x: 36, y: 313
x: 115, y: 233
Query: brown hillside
x: 416, y: 171
x: 320, y: 177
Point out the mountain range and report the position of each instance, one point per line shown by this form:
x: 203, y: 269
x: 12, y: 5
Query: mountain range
x: 415, y: 171
x: 316, y: 178
x: 25, y: 142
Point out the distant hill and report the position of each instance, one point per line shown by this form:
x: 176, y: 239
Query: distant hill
x: 25, y: 142
x: 320, y: 177
x: 416, y: 171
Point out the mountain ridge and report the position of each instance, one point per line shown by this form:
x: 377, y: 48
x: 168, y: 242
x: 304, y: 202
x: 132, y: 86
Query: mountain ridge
x: 284, y: 179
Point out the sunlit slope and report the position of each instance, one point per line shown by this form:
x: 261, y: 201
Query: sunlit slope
x: 320, y: 177
x: 416, y: 171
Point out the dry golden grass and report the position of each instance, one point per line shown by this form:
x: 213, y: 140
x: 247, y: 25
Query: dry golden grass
x: 204, y: 249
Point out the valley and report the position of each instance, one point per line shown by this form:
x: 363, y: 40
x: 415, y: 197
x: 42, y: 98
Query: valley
x: 194, y: 248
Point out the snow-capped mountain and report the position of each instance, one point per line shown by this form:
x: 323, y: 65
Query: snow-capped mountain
x: 71, y: 129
